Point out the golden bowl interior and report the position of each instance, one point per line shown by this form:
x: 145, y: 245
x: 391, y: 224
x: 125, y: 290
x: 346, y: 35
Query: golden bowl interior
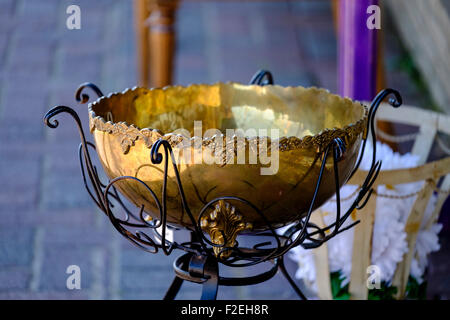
x: 294, y: 111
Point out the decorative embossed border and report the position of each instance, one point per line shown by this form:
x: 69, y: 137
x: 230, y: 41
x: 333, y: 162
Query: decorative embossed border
x: 130, y: 133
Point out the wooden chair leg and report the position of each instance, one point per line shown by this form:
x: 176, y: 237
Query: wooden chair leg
x: 141, y: 13
x: 162, y: 41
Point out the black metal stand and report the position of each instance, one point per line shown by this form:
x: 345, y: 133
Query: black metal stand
x: 199, y: 264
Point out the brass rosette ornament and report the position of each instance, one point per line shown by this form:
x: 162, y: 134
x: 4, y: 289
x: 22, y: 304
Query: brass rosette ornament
x: 222, y: 160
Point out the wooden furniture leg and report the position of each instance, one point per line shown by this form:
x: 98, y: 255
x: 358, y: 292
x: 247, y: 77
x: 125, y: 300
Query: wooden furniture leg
x: 161, y: 41
x: 141, y: 13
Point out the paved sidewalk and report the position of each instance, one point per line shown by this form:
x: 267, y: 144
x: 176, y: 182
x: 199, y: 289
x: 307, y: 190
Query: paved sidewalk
x: 47, y: 221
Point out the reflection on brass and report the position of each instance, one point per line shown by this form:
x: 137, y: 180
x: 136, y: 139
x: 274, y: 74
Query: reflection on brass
x: 224, y: 221
x: 308, y: 119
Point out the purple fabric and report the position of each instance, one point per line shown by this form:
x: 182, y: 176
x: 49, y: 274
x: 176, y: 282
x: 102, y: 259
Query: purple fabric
x: 357, y: 50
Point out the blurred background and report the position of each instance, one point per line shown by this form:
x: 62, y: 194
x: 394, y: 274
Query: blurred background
x: 48, y: 222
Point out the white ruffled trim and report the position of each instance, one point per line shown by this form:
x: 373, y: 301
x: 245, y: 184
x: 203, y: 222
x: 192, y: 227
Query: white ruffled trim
x: 389, y: 238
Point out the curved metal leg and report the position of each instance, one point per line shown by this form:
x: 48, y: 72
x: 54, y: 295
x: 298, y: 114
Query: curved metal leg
x: 206, y: 267
x: 297, y: 290
x: 211, y: 286
x: 173, y: 289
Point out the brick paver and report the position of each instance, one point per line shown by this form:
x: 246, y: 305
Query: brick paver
x: 47, y: 221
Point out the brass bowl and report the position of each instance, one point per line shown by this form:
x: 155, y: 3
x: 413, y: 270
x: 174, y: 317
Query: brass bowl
x: 125, y: 126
